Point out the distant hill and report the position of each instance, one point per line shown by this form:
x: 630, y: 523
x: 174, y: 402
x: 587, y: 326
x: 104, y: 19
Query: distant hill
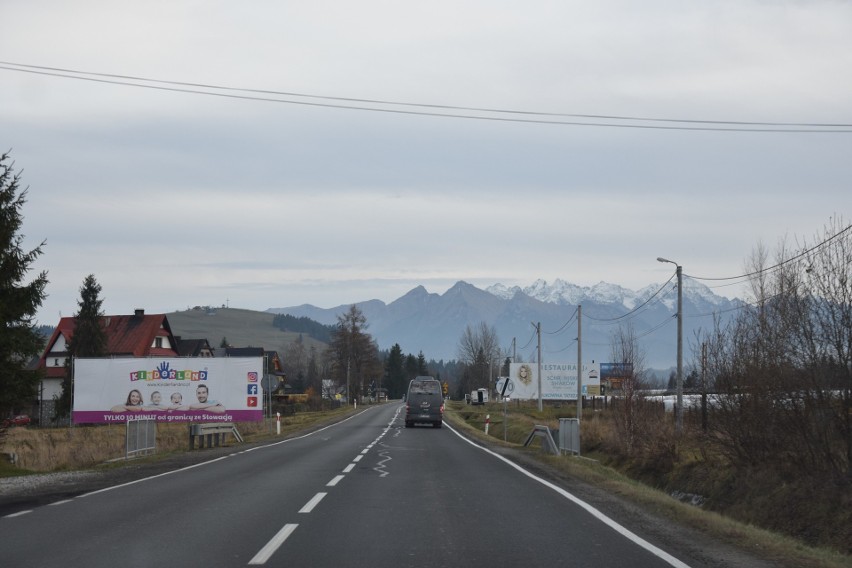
x: 304, y: 325
x: 242, y: 328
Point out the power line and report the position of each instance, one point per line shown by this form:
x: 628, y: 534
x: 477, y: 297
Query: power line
x: 571, y: 344
x: 503, y: 115
x: 745, y: 277
x: 634, y: 310
x: 741, y: 306
x: 563, y: 325
x: 656, y: 328
x: 529, y: 342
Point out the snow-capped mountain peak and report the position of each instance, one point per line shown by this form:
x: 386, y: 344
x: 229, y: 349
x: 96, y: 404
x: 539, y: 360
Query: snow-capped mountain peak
x: 563, y: 293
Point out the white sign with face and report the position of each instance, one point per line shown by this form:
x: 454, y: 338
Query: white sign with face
x: 558, y: 381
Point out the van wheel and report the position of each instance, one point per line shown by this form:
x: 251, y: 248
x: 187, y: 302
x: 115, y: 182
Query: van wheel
x: 408, y: 424
x: 436, y: 424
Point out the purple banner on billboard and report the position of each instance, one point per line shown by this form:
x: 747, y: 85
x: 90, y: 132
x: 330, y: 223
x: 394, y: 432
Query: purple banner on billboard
x: 94, y: 417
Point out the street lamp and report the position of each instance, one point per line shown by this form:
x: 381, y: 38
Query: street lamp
x: 679, y: 401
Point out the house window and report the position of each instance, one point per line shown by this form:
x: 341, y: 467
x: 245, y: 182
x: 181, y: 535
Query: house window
x: 56, y: 362
x: 158, y: 342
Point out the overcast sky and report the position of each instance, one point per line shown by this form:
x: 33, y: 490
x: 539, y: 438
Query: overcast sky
x: 173, y: 199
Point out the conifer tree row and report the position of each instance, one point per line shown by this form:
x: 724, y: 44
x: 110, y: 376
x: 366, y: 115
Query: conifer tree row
x: 19, y: 299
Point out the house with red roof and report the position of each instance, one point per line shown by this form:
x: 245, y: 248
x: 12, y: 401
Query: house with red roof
x: 137, y: 335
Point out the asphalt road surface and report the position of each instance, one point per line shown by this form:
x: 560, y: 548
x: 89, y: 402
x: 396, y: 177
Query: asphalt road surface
x: 365, y: 492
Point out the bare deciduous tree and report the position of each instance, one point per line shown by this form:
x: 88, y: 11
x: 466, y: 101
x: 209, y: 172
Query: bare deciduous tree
x: 783, y: 369
x: 478, y: 348
x: 355, y: 354
x: 626, y: 352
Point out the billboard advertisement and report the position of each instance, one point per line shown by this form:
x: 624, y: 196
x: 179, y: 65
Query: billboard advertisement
x: 613, y: 375
x: 204, y: 389
x: 558, y: 381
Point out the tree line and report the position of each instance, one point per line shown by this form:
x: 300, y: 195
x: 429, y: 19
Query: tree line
x: 318, y: 331
x: 353, y: 363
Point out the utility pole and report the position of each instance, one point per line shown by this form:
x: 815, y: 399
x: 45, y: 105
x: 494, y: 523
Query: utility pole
x: 704, y: 386
x: 679, y: 418
x: 679, y: 401
x: 579, y: 362
x: 538, y: 331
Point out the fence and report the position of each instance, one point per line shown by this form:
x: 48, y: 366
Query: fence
x: 141, y: 437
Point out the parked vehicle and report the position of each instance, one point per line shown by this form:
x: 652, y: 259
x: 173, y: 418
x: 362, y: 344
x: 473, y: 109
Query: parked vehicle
x: 424, y: 402
x: 19, y: 420
x: 479, y: 396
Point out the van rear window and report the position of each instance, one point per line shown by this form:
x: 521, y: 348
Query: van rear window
x: 426, y: 387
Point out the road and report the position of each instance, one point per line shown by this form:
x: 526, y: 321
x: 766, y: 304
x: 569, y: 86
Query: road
x: 365, y: 492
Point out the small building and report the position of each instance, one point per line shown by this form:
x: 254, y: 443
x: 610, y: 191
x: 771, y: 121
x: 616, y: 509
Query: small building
x: 193, y: 347
x: 137, y: 335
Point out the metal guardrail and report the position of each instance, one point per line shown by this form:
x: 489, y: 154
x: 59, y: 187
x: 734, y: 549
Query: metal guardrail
x: 547, y: 442
x: 569, y: 435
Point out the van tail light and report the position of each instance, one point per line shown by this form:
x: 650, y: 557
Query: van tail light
x: 442, y: 408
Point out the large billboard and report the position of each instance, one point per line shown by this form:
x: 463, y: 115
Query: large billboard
x: 226, y: 389
x: 558, y: 381
x: 613, y: 375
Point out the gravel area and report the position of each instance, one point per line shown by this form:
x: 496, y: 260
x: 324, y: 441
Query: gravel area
x: 34, y: 484
x: 38, y: 489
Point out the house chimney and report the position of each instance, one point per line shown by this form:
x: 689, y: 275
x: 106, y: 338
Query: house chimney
x: 139, y: 312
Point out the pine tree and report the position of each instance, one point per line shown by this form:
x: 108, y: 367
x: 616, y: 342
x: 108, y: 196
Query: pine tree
x: 19, y: 302
x: 422, y: 367
x: 411, y: 366
x: 89, y: 339
x: 396, y: 380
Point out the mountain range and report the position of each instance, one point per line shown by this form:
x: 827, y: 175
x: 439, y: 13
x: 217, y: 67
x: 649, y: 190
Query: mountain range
x: 433, y: 323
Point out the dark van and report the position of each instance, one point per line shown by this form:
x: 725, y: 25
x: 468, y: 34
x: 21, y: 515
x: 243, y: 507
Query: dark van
x: 424, y: 402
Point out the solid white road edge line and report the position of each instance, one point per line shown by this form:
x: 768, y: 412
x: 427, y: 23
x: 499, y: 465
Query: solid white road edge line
x: 18, y: 514
x: 659, y: 553
x: 59, y: 502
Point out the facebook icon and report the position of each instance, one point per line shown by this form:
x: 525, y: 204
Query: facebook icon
x: 252, y: 389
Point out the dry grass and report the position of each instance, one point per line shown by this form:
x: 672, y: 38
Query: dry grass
x: 81, y: 447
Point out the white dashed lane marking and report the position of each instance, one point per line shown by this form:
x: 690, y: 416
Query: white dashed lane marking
x: 273, y: 545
